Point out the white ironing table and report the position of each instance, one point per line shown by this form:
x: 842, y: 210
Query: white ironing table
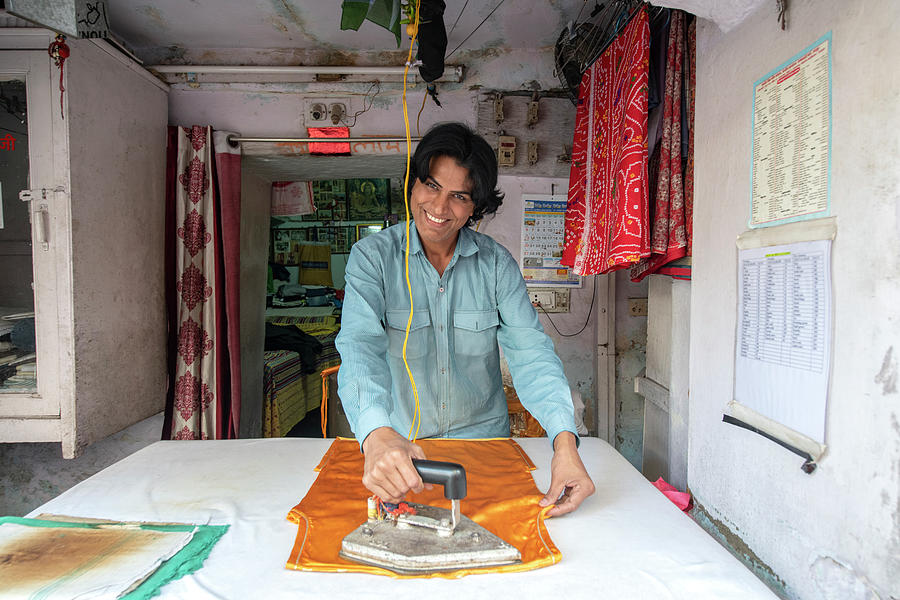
x: 627, y: 541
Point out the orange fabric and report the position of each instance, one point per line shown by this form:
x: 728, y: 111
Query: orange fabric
x: 502, y: 498
x: 521, y: 422
x: 323, y: 408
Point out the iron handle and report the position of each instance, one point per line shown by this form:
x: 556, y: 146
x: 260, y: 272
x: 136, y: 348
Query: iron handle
x: 450, y: 475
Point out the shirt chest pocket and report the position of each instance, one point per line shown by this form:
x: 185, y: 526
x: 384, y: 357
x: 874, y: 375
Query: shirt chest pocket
x: 419, y: 333
x: 475, y: 331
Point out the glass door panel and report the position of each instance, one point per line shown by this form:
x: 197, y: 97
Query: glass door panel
x: 18, y: 348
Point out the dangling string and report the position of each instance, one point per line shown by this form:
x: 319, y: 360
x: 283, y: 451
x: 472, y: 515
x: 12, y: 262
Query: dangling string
x: 59, y: 51
x: 417, y: 420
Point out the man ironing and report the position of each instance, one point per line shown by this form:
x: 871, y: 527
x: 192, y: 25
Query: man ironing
x: 468, y: 295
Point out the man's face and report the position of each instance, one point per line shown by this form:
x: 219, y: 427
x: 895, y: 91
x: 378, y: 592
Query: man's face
x: 443, y: 204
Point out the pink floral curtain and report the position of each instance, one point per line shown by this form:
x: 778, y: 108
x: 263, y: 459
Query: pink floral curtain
x: 203, y: 267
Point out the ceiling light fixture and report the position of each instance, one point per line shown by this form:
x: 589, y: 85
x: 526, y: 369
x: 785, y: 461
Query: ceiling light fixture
x: 253, y: 73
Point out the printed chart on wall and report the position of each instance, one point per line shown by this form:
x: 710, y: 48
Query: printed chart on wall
x: 542, y: 243
x: 783, y: 353
x: 791, y: 168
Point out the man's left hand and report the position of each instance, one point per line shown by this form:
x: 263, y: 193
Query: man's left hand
x: 570, y: 483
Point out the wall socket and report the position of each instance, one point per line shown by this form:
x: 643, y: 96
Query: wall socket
x: 637, y: 307
x: 325, y: 112
x: 551, y: 300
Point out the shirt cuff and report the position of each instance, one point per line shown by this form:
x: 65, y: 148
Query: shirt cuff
x: 370, y: 420
x: 554, y: 429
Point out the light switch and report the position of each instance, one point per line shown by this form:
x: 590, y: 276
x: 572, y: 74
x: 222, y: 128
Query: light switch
x: 506, y: 151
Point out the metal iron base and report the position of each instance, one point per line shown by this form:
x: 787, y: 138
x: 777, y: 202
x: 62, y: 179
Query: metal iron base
x: 409, y: 549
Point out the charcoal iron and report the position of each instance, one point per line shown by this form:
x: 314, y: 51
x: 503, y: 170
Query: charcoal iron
x: 417, y: 539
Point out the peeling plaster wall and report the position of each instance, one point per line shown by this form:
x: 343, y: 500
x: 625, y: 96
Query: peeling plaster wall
x: 834, y: 533
x: 278, y: 109
x: 631, y: 358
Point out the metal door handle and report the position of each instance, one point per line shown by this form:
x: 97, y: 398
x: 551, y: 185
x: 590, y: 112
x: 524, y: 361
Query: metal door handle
x: 41, y: 225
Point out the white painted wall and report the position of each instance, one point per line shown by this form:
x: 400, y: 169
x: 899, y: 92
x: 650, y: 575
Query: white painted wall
x: 631, y: 358
x: 117, y: 146
x: 835, y: 533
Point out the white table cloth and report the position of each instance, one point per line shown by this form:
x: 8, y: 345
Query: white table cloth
x: 627, y: 541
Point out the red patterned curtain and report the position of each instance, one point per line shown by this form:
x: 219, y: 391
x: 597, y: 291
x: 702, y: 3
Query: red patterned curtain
x: 672, y: 211
x: 203, y: 182
x: 606, y: 215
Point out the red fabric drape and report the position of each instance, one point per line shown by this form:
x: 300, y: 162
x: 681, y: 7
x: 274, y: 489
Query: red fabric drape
x: 606, y: 216
x: 203, y: 267
x: 691, y: 78
x: 668, y: 239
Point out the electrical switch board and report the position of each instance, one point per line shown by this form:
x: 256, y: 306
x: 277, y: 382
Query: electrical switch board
x: 551, y: 300
x: 506, y: 151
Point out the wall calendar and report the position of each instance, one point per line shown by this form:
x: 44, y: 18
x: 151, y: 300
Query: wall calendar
x: 542, y: 243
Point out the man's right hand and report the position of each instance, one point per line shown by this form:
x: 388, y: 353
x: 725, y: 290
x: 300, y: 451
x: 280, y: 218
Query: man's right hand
x: 389, y: 472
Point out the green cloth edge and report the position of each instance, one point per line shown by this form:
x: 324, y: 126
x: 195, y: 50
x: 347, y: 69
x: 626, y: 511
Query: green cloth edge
x: 186, y: 561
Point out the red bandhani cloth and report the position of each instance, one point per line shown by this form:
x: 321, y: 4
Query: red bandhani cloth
x: 668, y: 239
x: 691, y: 78
x: 606, y: 216
x: 329, y: 147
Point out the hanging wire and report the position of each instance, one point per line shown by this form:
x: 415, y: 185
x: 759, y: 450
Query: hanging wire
x: 459, y: 15
x: 476, y: 29
x: 586, y: 321
x: 583, y: 4
x: 613, y: 19
x: 354, y: 116
x: 421, y: 108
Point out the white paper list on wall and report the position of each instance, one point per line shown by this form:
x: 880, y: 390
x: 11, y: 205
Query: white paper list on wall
x: 783, y: 343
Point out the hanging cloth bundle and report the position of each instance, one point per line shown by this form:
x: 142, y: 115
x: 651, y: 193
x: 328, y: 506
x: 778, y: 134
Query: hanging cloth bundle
x: 432, y: 39
x: 432, y: 44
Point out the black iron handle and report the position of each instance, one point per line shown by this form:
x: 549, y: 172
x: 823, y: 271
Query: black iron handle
x: 450, y: 475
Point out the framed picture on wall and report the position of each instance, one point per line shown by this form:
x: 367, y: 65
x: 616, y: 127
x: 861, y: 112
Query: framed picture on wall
x: 281, y: 245
x: 368, y: 199
x: 351, y: 237
x: 364, y: 229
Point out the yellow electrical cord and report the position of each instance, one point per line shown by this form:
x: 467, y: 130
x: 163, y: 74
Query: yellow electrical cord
x: 417, y: 420
x: 421, y: 108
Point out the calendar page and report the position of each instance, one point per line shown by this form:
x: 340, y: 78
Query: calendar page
x: 542, y: 243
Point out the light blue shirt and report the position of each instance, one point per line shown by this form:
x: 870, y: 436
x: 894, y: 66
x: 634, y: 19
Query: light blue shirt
x: 458, y: 320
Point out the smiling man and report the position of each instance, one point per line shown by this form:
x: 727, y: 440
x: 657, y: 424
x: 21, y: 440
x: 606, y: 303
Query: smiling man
x: 468, y: 296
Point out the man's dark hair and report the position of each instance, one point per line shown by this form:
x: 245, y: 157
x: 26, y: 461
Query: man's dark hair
x: 469, y: 150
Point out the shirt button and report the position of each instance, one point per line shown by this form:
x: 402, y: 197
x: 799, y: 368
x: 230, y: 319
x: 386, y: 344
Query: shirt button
x: 441, y: 289
x: 443, y: 371
x: 441, y: 327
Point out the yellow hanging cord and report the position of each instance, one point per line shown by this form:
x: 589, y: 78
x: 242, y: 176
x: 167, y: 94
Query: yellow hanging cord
x: 417, y: 420
x: 421, y: 108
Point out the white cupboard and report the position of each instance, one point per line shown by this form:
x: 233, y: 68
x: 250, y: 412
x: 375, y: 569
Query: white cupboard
x: 95, y: 195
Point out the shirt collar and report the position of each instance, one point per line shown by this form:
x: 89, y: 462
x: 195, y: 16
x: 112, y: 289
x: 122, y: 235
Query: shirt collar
x: 465, y: 243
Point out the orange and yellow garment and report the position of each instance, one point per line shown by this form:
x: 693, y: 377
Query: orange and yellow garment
x: 502, y: 498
